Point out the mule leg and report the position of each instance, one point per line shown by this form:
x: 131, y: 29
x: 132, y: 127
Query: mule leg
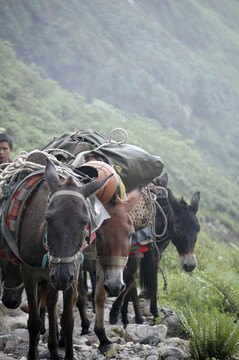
x: 93, y: 283
x: 42, y: 290
x: 52, y: 306
x: 133, y: 296
x: 154, y: 284
x: 81, y: 305
x: 67, y: 321
x: 130, y: 274
x: 34, y: 322
x: 137, y: 309
x: 100, y: 300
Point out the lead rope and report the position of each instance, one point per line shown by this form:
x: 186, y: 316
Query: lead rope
x: 154, y: 203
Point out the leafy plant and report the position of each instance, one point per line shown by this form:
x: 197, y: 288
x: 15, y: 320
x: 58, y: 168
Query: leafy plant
x: 227, y: 286
x: 213, y: 335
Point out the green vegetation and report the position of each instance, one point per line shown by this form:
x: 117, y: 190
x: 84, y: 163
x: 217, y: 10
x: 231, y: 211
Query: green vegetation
x: 167, y: 72
x: 173, y: 61
x: 212, y: 336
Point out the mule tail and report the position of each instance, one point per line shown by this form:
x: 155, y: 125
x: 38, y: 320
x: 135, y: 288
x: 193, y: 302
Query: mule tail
x: 148, y: 271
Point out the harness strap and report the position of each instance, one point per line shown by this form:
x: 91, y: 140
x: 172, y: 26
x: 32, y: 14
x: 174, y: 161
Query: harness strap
x: 112, y: 260
x: 11, y: 241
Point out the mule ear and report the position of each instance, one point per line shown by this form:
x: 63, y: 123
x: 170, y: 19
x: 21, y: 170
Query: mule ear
x: 132, y: 198
x: 51, y: 175
x: 195, y: 201
x: 94, y: 186
x: 161, y: 181
x: 175, y: 204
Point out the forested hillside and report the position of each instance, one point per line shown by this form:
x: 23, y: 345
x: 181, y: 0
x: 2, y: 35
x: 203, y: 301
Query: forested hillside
x: 172, y: 61
x: 34, y: 110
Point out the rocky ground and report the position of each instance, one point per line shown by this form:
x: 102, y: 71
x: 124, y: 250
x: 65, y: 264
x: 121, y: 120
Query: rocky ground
x: 158, y: 342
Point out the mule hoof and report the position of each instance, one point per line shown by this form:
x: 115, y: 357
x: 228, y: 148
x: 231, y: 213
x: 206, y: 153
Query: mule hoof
x: 104, y: 348
x: 114, y: 317
x: 139, y: 320
x: 85, y: 331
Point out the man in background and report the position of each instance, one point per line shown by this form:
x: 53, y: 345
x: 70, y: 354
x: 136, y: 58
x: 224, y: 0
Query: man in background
x: 6, y: 148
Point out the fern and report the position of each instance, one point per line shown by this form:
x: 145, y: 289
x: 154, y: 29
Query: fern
x: 227, y: 287
x: 213, y: 335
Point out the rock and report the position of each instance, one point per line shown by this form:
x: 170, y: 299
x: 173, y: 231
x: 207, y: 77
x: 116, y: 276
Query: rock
x: 152, y: 339
x: 136, y: 332
x: 175, y: 353
x: 136, y: 342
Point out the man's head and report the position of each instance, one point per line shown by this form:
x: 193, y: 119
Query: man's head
x: 5, y: 148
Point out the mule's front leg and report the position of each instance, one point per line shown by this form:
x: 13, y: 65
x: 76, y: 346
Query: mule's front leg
x: 130, y: 274
x: 100, y: 300
x: 52, y: 302
x: 34, y: 322
x: 81, y: 305
x: 67, y: 320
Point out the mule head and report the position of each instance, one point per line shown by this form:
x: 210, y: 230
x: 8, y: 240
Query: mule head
x: 114, y: 241
x: 184, y: 228
x: 12, y: 284
x: 67, y: 218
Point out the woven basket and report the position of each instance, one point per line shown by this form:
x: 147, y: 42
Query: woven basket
x: 141, y: 214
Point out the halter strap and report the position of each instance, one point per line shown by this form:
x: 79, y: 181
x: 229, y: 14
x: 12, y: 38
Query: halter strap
x: 112, y: 260
x: 68, y: 192
x: 66, y: 260
x: 18, y: 287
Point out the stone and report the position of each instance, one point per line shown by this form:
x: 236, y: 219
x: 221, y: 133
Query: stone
x: 136, y: 332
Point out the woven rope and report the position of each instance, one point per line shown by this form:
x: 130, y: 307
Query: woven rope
x: 20, y: 164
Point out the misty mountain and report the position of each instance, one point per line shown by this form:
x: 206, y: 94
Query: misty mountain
x: 172, y: 61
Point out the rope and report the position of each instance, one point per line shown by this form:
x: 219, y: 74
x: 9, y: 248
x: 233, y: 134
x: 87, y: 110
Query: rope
x: 163, y: 215
x: 111, y: 141
x: 20, y: 164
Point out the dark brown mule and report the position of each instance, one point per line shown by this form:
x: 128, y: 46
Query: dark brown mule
x: 182, y: 230
x: 66, y: 217
x: 113, y: 244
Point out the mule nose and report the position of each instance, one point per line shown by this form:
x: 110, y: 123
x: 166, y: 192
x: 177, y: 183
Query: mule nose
x: 11, y: 303
x: 188, y: 262
x: 61, y: 278
x: 114, y: 290
x: 61, y: 283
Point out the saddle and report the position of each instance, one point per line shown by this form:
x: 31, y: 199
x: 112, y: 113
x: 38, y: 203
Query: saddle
x: 16, y: 199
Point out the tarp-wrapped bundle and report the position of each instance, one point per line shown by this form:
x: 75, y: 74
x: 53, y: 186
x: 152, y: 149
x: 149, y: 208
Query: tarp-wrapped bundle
x: 135, y: 165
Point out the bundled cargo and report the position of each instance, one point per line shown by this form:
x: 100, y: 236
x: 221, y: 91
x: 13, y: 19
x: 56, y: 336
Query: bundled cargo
x: 134, y: 165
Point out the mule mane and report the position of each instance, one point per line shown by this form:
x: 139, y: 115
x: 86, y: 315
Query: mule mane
x: 70, y: 181
x: 182, y: 201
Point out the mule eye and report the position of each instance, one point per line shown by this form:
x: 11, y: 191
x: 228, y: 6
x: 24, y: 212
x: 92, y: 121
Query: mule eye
x: 130, y: 236
x: 47, y: 218
x: 179, y: 232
